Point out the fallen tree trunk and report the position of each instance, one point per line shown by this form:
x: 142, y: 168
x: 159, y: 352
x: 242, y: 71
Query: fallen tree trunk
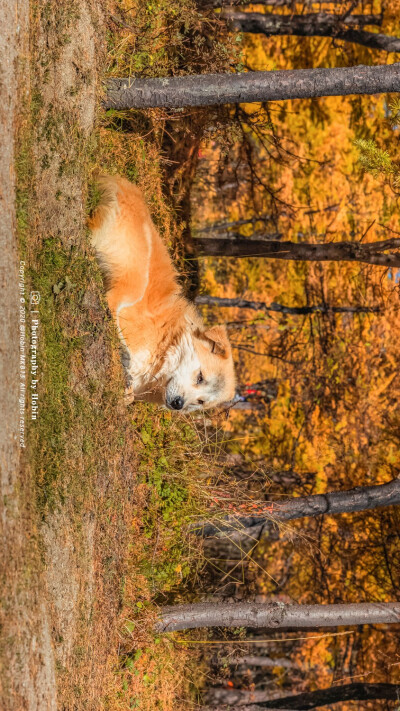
x: 369, y: 253
x: 270, y: 3
x: 265, y: 662
x: 301, y: 702
x: 238, y: 698
x: 361, y: 498
x: 206, y: 300
x: 275, y: 615
x: 320, y: 24
x: 252, y: 707
x: 247, y: 87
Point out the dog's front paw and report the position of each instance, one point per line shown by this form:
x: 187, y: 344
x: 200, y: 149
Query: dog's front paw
x: 129, y: 396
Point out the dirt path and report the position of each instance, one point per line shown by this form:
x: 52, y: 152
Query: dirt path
x: 40, y: 600
x: 9, y: 304
x: 26, y: 656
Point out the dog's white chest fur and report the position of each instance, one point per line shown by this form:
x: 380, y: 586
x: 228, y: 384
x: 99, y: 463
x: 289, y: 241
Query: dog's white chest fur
x: 145, y: 374
x: 138, y: 367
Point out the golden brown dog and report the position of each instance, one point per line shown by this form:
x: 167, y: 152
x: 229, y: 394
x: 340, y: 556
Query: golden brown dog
x: 174, y: 360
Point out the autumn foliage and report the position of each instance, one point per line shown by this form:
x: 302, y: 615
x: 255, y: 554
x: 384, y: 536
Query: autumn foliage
x: 318, y: 170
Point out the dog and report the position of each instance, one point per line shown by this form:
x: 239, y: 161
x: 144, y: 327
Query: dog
x: 174, y: 360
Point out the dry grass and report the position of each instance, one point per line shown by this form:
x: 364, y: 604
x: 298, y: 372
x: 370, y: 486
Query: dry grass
x: 139, y: 159
x: 167, y: 38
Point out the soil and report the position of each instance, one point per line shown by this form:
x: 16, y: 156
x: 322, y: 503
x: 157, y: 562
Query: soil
x: 68, y: 54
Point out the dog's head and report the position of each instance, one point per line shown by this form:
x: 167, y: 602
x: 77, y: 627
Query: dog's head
x: 203, y: 375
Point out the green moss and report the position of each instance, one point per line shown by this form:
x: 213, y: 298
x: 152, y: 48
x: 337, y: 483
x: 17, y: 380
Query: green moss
x: 169, y: 468
x: 61, y: 277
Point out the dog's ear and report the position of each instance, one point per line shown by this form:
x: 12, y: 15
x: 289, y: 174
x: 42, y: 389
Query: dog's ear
x: 218, y: 339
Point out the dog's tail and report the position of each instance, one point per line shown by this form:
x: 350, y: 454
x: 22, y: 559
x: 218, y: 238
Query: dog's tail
x: 102, y: 225
x: 106, y: 188
x: 121, y: 228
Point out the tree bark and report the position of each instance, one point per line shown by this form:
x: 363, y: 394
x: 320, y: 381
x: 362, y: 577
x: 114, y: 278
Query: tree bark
x: 275, y: 615
x: 369, y: 253
x: 361, y: 498
x: 237, y: 223
x: 265, y: 662
x: 249, y: 406
x: 303, y: 702
x: 238, y: 698
x: 313, y: 25
x: 252, y: 707
x: 270, y: 3
x: 247, y: 87
x: 206, y: 300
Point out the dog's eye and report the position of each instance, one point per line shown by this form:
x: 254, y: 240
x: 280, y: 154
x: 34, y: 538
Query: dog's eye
x: 200, y: 402
x: 200, y: 378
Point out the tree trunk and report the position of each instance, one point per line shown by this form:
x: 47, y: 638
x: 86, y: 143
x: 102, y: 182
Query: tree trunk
x: 238, y: 698
x: 252, y: 707
x: 369, y: 253
x: 361, y: 498
x: 247, y: 87
x: 217, y: 227
x: 270, y: 3
x: 275, y: 615
x: 206, y: 300
x: 265, y: 662
x: 249, y: 406
x: 313, y: 25
x: 303, y: 702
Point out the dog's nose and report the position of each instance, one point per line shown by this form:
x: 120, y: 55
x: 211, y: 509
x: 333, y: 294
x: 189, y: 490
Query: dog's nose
x: 177, y: 403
